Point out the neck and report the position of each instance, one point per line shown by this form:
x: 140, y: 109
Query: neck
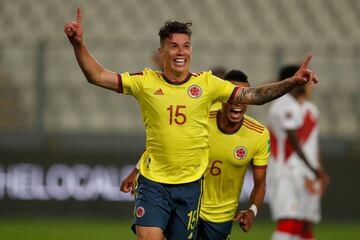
x: 300, y: 98
x: 227, y: 125
x: 175, y: 76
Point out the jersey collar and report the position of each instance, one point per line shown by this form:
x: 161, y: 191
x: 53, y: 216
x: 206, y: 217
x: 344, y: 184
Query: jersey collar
x: 177, y: 83
x: 218, y: 115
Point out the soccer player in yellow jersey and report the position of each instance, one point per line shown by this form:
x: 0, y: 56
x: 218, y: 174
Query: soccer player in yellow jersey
x: 175, y: 105
x: 236, y: 141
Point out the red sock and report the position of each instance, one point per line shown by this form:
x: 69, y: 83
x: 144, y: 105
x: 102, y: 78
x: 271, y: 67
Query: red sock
x: 290, y: 226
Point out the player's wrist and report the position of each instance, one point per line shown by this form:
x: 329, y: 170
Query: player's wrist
x: 292, y: 81
x: 78, y: 45
x: 254, y: 209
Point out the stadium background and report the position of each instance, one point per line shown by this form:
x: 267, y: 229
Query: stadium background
x: 65, y: 145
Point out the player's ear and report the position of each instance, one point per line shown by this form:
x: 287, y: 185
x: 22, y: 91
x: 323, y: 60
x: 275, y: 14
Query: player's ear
x: 161, y: 54
x: 161, y: 51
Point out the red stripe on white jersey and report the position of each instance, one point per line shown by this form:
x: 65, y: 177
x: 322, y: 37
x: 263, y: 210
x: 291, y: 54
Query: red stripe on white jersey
x: 303, y: 133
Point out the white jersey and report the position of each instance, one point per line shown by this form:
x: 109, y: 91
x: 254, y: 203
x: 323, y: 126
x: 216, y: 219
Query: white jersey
x: 287, y: 114
x: 287, y: 171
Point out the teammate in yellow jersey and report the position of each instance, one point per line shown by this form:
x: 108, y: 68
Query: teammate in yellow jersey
x: 236, y: 141
x: 175, y: 105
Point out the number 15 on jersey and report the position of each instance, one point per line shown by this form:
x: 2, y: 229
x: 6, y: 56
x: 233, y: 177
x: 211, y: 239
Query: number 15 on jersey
x: 176, y: 114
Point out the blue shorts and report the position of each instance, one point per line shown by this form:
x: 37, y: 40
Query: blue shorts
x: 213, y: 231
x: 172, y: 207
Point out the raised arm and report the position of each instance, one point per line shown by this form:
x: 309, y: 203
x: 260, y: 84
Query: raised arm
x: 93, y: 71
x: 265, y: 93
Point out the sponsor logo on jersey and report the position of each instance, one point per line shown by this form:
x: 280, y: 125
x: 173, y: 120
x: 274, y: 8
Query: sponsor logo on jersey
x: 194, y: 91
x: 240, y: 152
x: 140, y: 211
x: 159, y: 92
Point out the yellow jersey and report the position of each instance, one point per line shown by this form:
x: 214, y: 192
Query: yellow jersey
x: 175, y: 116
x: 230, y: 155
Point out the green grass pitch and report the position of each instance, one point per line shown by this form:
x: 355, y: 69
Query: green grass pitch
x: 108, y: 229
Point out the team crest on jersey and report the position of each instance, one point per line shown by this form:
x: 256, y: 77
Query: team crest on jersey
x: 240, y: 152
x: 194, y: 91
x: 140, y: 211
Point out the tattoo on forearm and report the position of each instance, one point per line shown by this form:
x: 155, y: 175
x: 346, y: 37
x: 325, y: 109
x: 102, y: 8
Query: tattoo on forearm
x: 263, y: 94
x: 243, y: 94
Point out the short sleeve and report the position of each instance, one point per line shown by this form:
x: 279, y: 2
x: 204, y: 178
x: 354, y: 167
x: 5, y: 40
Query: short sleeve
x: 215, y: 107
x: 222, y: 91
x: 130, y: 83
x: 262, y: 155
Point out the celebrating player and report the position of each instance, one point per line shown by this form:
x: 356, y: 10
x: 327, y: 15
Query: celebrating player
x: 296, y: 177
x: 175, y: 105
x: 236, y: 140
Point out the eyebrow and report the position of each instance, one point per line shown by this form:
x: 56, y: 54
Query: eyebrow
x: 170, y: 42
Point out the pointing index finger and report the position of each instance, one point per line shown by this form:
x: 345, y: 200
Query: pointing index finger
x: 306, y: 61
x: 78, y: 16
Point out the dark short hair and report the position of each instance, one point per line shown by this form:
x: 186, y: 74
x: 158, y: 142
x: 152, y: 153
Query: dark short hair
x: 237, y: 76
x: 288, y: 71
x: 171, y: 27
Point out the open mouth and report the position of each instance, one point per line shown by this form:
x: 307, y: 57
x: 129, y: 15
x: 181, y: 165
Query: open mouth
x: 236, y: 112
x: 179, y: 61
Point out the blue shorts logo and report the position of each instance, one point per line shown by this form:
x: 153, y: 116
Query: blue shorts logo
x: 140, y: 211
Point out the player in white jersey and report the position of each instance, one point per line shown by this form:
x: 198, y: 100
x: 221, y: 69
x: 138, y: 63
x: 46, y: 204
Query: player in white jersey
x: 296, y: 177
